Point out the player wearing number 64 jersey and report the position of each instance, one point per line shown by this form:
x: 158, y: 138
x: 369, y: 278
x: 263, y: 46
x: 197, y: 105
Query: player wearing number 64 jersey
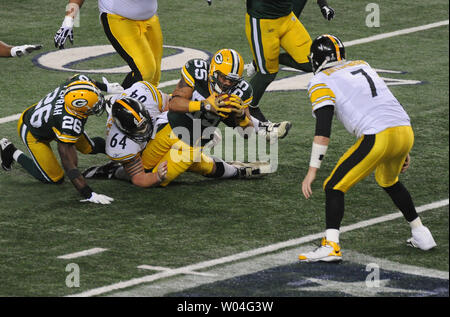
x: 364, y: 104
x: 60, y: 116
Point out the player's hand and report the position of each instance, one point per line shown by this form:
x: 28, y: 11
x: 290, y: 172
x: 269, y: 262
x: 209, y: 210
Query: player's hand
x: 210, y: 104
x: 162, y: 171
x: 19, y: 51
x: 112, y: 88
x: 327, y: 12
x: 406, y: 164
x: 98, y: 199
x: 209, y: 2
x: 233, y: 102
x: 307, y: 182
x: 64, y: 32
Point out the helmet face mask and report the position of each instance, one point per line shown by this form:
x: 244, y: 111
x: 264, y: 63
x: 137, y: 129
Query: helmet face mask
x: 83, y: 99
x: 225, y: 71
x: 326, y: 51
x: 132, y: 119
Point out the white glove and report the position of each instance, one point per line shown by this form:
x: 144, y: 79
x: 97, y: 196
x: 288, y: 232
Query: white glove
x: 112, y: 88
x: 18, y: 51
x: 98, y: 199
x: 64, y: 32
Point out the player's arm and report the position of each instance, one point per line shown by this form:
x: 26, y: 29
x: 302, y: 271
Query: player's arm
x: 17, y: 51
x: 327, y: 11
x: 324, y: 119
x: 181, y: 97
x: 69, y: 160
x: 66, y: 30
x: 139, y: 177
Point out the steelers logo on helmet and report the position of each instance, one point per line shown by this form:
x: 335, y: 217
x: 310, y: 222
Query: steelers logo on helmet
x: 82, y: 98
x: 326, y: 51
x: 132, y: 119
x: 225, y: 71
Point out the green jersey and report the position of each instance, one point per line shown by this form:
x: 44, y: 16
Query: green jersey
x: 49, y: 119
x: 273, y: 9
x: 200, y: 124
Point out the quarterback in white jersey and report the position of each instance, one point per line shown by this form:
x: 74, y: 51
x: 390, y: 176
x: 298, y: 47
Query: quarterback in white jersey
x: 364, y: 104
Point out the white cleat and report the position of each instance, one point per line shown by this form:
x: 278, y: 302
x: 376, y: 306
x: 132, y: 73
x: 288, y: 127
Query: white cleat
x: 329, y: 251
x: 272, y: 130
x: 421, y: 239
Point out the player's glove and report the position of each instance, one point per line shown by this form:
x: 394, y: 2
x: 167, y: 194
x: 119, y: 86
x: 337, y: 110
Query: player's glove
x: 98, y: 199
x: 112, y: 88
x: 233, y: 102
x: 215, y: 105
x: 18, y: 51
x: 64, y: 32
x: 327, y: 12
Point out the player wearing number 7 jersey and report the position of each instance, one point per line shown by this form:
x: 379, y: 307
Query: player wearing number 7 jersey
x: 60, y: 116
x: 364, y: 104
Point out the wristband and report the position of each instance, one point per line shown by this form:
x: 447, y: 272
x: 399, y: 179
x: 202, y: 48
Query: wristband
x: 73, y: 173
x: 86, y: 192
x: 68, y: 22
x: 322, y: 3
x: 317, y: 154
x: 194, y: 106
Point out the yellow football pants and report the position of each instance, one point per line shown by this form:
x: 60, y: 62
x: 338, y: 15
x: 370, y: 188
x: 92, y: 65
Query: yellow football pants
x: 139, y: 43
x: 384, y: 152
x: 266, y: 36
x: 180, y: 157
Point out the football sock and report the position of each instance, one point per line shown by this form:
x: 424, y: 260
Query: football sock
x: 287, y: 60
x: 223, y: 169
x: 334, y: 208
x: 416, y: 223
x: 332, y: 235
x: 29, y: 165
x: 257, y: 113
x: 259, y: 83
x: 402, y: 199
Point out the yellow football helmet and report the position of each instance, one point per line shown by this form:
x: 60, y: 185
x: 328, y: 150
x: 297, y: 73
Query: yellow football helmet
x: 225, y: 70
x: 83, y: 98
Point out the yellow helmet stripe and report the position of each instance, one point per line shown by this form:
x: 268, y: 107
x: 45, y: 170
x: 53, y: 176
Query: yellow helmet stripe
x: 134, y: 113
x: 336, y: 45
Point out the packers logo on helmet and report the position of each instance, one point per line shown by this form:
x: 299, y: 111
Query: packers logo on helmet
x: 83, y: 98
x: 326, y: 51
x: 225, y: 71
x: 132, y: 119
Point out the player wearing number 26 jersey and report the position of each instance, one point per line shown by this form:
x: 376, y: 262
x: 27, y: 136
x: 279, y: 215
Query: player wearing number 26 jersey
x: 364, y: 104
x: 61, y: 115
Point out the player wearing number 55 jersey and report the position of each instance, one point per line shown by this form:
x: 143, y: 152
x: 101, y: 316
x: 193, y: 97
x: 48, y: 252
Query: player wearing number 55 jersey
x: 364, y: 104
x: 60, y: 116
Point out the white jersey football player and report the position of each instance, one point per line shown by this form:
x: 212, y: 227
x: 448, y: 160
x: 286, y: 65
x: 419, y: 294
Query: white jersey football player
x: 139, y: 108
x: 364, y: 104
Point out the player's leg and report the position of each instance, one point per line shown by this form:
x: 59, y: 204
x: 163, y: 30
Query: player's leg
x: 127, y: 38
x: 401, y: 140
x: 154, y: 38
x: 297, y: 43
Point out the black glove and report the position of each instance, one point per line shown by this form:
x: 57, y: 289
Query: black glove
x: 327, y: 12
x: 209, y: 2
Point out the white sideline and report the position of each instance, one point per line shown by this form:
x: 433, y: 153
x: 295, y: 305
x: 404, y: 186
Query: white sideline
x: 250, y: 253
x: 81, y: 253
x: 349, y: 43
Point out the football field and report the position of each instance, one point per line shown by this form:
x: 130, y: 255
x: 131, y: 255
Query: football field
x: 201, y: 237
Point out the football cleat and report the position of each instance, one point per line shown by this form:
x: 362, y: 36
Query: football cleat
x: 7, y: 150
x: 274, y: 130
x: 421, y: 239
x: 102, y: 172
x: 328, y: 251
x: 247, y: 170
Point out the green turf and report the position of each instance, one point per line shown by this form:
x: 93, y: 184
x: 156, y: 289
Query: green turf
x: 197, y: 219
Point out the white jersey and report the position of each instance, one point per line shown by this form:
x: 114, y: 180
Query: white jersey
x: 361, y: 99
x: 118, y: 146
x: 130, y: 9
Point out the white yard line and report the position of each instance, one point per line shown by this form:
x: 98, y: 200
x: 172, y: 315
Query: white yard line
x: 248, y: 254
x: 81, y: 253
x: 349, y: 43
